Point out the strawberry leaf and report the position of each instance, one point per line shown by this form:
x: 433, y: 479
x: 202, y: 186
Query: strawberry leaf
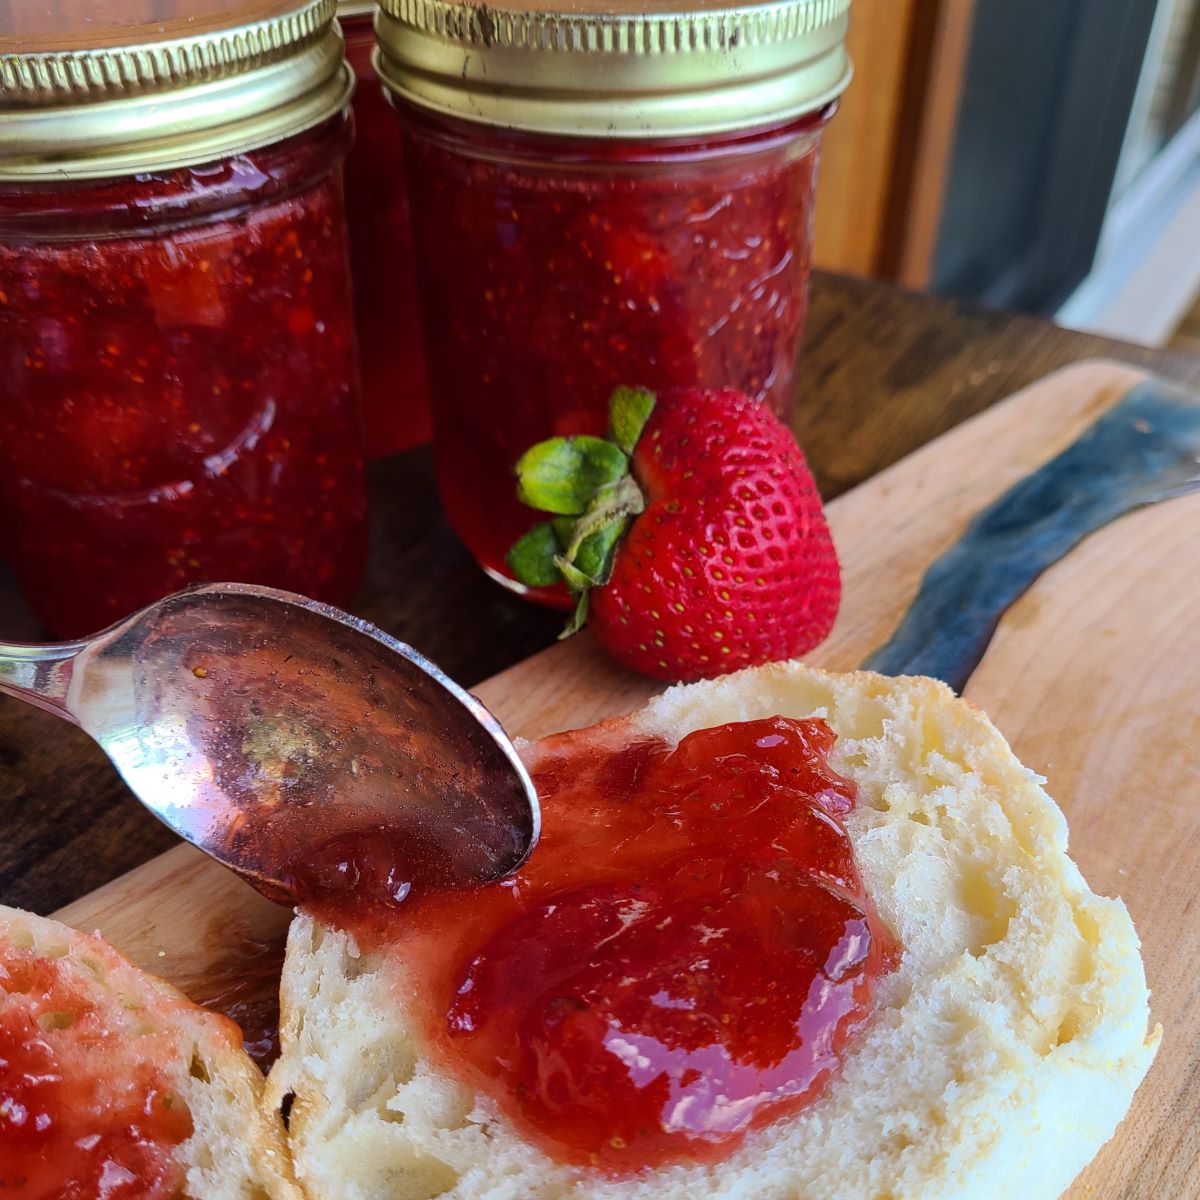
x: 576, y: 580
x: 578, y: 618
x: 628, y: 411
x: 596, y: 552
x: 564, y: 530
x: 586, y: 482
x: 563, y: 475
x: 532, y: 559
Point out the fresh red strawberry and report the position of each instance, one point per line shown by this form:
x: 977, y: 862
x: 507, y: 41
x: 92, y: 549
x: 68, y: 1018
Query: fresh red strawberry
x: 694, y: 536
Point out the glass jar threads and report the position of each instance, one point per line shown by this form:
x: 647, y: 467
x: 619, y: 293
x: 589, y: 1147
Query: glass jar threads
x: 602, y: 197
x: 178, y: 384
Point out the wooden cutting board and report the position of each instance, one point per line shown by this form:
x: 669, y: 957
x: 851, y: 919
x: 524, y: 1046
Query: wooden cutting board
x: 1093, y: 674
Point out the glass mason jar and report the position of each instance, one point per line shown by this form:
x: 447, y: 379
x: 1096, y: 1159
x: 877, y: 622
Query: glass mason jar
x: 178, y: 380
x: 601, y: 198
x: 395, y: 401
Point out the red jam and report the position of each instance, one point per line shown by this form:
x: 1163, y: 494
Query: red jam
x: 179, y: 398
x: 82, y: 1115
x: 684, y: 958
x: 553, y: 270
x: 395, y: 401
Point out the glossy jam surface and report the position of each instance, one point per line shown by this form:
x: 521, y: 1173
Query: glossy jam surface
x: 85, y: 1114
x: 553, y: 270
x: 178, y: 386
x: 395, y: 399
x: 683, y: 959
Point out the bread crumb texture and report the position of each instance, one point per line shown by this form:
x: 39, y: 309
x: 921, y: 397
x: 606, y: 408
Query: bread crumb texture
x: 1005, y: 1049
x: 237, y: 1149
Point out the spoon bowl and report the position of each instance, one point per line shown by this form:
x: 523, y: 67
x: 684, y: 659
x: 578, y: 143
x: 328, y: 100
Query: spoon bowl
x: 292, y: 741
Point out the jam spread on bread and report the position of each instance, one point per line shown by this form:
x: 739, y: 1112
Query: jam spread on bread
x: 684, y: 957
x: 84, y: 1110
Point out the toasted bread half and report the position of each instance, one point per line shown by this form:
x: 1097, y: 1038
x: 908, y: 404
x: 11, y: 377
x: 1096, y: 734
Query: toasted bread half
x: 118, y: 1057
x: 1005, y: 1048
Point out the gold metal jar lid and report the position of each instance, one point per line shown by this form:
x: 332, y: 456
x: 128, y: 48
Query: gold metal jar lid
x: 615, y: 68
x: 88, y: 92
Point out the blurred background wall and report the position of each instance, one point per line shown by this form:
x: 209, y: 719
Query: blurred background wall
x: 1042, y: 155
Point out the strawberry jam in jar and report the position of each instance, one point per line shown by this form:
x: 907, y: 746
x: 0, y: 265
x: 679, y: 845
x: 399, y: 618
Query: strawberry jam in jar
x: 179, y: 396
x: 392, y: 360
x: 602, y: 197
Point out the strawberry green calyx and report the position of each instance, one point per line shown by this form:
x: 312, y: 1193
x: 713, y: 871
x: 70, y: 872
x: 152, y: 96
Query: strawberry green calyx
x: 564, y: 475
x: 628, y: 411
x: 585, y: 482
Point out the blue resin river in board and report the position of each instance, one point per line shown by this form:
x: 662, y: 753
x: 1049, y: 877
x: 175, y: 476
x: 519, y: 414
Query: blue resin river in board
x: 1143, y: 450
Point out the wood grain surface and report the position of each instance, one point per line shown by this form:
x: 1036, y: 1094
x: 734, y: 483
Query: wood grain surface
x: 941, y: 41
x: 885, y: 371
x: 1094, y: 676
x: 859, y: 155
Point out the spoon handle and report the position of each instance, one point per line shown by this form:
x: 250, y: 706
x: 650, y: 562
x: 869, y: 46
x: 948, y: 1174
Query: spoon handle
x: 39, y: 675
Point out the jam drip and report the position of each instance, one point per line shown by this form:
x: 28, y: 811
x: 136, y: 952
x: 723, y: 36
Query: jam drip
x: 84, y: 1113
x: 683, y: 959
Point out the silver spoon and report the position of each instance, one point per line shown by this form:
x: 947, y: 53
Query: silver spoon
x: 302, y: 747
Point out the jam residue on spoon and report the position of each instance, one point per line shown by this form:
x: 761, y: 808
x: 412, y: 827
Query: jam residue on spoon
x: 685, y: 957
